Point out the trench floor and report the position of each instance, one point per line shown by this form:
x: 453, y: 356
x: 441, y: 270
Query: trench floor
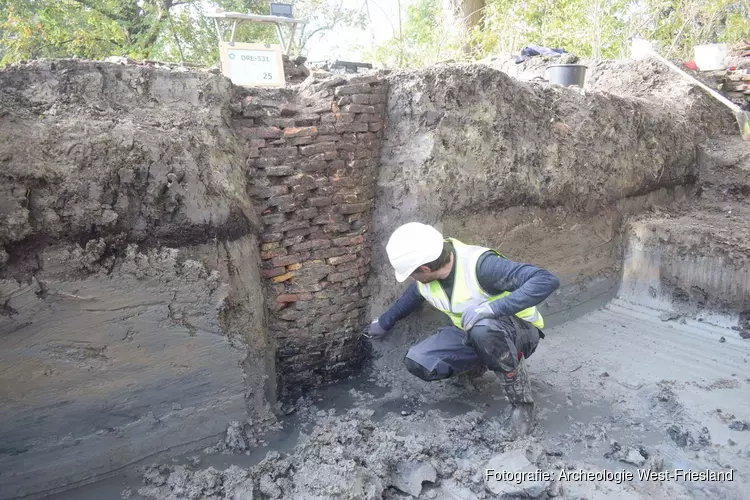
x: 624, y: 373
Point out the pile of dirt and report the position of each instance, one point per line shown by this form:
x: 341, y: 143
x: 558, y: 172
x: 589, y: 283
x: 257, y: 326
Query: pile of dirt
x: 647, y: 79
x: 353, y: 456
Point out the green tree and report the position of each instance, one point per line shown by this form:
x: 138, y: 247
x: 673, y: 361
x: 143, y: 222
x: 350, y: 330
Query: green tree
x: 587, y: 28
x: 169, y: 30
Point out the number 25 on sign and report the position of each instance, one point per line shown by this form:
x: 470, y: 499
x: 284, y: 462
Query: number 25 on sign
x: 253, y: 64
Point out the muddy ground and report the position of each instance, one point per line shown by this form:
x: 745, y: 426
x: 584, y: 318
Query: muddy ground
x: 638, y: 386
x: 664, y: 406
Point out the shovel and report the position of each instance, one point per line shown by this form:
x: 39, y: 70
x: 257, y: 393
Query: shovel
x: 642, y: 49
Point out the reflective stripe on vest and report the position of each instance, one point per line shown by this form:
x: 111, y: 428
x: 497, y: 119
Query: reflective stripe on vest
x: 467, y: 292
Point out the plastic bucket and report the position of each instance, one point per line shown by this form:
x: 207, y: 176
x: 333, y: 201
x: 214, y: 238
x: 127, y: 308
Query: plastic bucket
x: 710, y: 57
x: 567, y: 74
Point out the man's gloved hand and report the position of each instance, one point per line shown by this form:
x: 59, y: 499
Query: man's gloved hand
x: 376, y: 331
x: 471, y: 316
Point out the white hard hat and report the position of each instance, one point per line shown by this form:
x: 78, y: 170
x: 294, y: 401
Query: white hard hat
x: 413, y: 245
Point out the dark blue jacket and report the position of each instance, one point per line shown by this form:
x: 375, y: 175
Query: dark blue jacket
x: 528, y: 286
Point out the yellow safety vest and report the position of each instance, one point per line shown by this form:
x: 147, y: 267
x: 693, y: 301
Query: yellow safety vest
x: 467, y: 292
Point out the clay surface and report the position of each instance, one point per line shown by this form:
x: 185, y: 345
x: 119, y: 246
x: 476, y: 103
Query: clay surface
x: 123, y: 221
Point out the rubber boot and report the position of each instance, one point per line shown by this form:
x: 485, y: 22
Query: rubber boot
x: 517, y: 388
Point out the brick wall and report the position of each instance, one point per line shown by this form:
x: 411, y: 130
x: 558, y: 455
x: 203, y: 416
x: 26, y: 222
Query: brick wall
x: 313, y: 155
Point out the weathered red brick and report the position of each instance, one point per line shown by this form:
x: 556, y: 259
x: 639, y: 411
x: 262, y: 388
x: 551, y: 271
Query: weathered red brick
x: 349, y: 283
x: 376, y: 126
x: 354, y: 208
x: 265, y: 247
x: 307, y: 213
x: 354, y: 248
x: 279, y: 171
x: 342, y: 182
x: 358, y: 108
x: 342, y: 118
x: 329, y: 252
x: 328, y: 218
x: 273, y: 218
x: 300, y: 181
x: 348, y: 127
x: 320, y: 201
x: 286, y: 242
x: 306, y: 288
x: 348, y: 240
x: 301, y: 141
x: 301, y: 132
x: 360, y: 88
x: 280, y: 200
x: 366, y: 153
x: 269, y: 237
x: 317, y: 148
x: 270, y: 254
x: 287, y: 297
x: 327, y: 129
x: 284, y: 277
x: 275, y: 121
x: 307, y: 120
x: 355, y: 264
x: 361, y: 98
x: 336, y: 277
x: 336, y: 227
x: 288, y: 226
x: 271, y: 273
x: 313, y: 166
x: 318, y: 108
x: 265, y: 132
x: 368, y: 79
x: 285, y: 260
x: 316, y: 244
x: 342, y: 259
x: 285, y: 152
x: 377, y: 98
x: 322, y: 183
x: 293, y: 233
x: 289, y: 206
x: 369, y: 118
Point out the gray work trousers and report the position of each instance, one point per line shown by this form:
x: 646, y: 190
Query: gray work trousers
x: 496, y: 343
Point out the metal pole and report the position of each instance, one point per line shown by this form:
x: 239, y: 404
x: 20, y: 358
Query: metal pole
x: 234, y: 27
x: 291, y: 38
x: 280, y: 34
x: 218, y: 29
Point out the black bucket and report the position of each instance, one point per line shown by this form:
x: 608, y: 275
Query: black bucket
x: 567, y: 74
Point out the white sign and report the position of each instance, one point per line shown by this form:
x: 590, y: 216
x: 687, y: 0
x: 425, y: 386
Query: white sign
x: 253, y: 64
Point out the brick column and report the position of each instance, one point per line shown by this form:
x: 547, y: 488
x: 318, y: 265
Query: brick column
x: 313, y: 157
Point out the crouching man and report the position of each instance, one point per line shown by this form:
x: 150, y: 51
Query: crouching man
x: 490, y: 300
